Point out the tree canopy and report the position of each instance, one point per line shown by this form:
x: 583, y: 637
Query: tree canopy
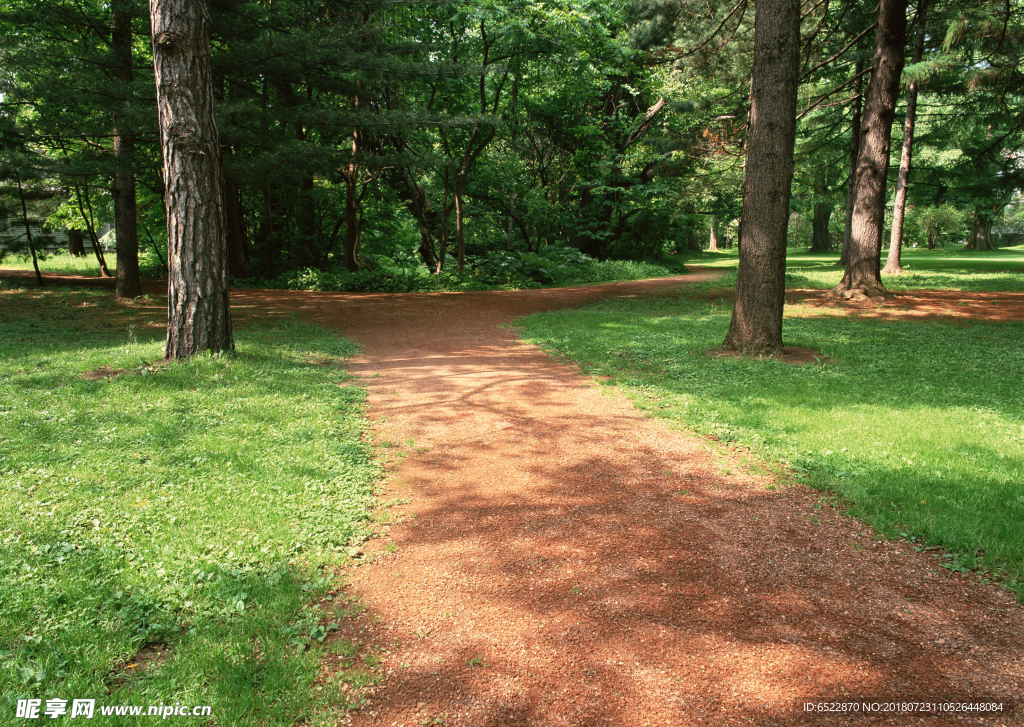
x: 425, y: 136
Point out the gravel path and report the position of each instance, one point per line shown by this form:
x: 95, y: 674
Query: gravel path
x: 561, y: 560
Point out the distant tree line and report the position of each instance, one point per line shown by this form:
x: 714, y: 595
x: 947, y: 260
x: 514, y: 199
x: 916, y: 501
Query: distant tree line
x: 367, y: 135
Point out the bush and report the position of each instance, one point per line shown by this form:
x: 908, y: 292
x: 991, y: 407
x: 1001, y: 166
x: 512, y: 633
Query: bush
x: 500, y: 269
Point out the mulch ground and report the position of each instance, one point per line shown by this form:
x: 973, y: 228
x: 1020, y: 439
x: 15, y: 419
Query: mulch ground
x: 559, y: 559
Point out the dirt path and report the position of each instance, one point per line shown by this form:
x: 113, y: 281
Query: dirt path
x: 565, y: 561
x: 562, y: 560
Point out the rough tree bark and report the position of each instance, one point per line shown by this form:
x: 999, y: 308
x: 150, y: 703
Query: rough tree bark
x: 819, y: 227
x: 756, y: 326
x: 198, y: 312
x: 851, y: 184
x: 122, y: 189
x: 863, y: 278
x: 892, y: 261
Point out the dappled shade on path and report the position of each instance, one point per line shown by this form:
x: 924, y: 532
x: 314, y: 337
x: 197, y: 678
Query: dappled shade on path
x: 565, y: 561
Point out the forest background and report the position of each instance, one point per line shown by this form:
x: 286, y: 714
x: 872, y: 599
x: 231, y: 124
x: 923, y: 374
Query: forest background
x: 419, y: 146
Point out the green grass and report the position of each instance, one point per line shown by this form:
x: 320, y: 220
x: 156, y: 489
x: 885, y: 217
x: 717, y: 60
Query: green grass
x: 950, y: 269
x: 918, y: 425
x: 199, y: 505
x: 62, y: 263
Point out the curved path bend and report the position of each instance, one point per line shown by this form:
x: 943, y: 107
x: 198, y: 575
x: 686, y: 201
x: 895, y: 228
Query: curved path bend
x: 562, y: 560
x: 559, y: 559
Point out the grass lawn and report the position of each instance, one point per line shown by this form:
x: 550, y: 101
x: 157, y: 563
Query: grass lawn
x: 956, y: 269
x: 919, y: 426
x: 198, y: 506
x: 62, y: 263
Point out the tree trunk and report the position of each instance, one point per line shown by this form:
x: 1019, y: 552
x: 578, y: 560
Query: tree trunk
x: 351, y: 221
x: 104, y: 272
x: 306, y: 219
x: 156, y: 249
x: 863, y: 278
x: 76, y: 243
x: 198, y: 306
x: 443, y: 243
x: 693, y: 242
x: 122, y: 189
x: 851, y: 183
x: 28, y: 234
x: 446, y: 209
x: 238, y: 263
x: 981, y: 232
x: 892, y: 262
x: 460, y: 231
x: 713, y: 242
x: 820, y: 240
x: 756, y: 326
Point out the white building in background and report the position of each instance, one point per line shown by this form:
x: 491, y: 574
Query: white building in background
x: 12, y: 228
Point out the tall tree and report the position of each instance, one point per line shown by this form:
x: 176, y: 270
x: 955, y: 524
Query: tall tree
x: 198, y: 311
x: 756, y: 326
x: 851, y: 183
x: 122, y: 188
x: 862, y: 277
x: 892, y: 262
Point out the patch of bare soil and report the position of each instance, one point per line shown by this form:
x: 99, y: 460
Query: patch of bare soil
x: 103, y: 372
x: 149, y: 656
x: 948, y: 305
x: 951, y: 305
x: 562, y: 560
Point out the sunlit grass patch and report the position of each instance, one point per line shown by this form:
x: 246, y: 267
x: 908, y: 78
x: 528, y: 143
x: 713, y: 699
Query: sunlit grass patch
x: 199, y: 505
x: 951, y: 269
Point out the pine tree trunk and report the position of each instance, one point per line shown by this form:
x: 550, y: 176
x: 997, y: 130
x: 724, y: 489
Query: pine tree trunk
x: 76, y: 243
x: 122, y: 189
x: 270, y: 268
x: 820, y: 241
x: 756, y: 326
x: 981, y: 232
x: 851, y: 183
x: 198, y: 306
x: 892, y: 261
x: 238, y: 263
x: 713, y: 242
x: 863, y: 278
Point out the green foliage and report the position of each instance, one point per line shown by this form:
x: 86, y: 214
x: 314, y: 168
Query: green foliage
x: 497, y: 270
x: 198, y: 505
x: 919, y: 426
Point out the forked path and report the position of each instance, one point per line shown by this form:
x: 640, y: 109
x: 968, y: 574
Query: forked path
x: 563, y: 560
